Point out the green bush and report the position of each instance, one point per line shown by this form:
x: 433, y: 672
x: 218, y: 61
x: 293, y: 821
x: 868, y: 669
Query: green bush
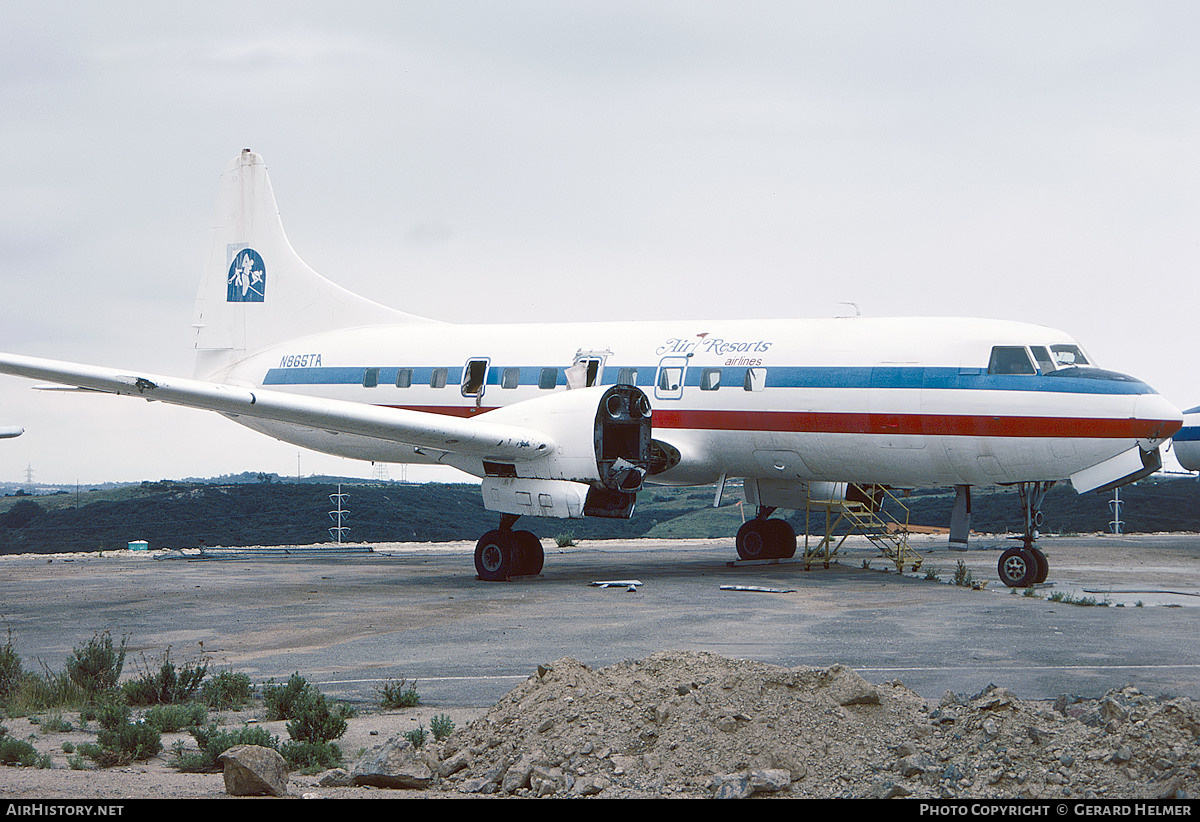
x: 170, y: 718
x: 417, y: 736
x: 398, y: 694
x: 17, y: 752
x: 313, y: 720
x: 281, y: 700
x: 166, y: 686
x: 227, y: 691
x: 442, y: 727
x: 11, y: 673
x: 126, y: 743
x: 96, y: 666
x: 214, y: 741
x: 311, y: 757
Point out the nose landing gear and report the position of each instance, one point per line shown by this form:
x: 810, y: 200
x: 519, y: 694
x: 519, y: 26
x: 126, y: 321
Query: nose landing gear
x: 1026, y: 564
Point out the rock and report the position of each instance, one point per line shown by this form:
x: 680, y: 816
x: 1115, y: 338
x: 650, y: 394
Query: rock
x: 252, y: 770
x: 395, y: 765
x: 770, y: 780
x: 454, y: 764
x: 733, y: 786
x: 336, y: 778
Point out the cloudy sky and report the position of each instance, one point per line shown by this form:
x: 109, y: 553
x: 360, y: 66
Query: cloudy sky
x: 491, y: 161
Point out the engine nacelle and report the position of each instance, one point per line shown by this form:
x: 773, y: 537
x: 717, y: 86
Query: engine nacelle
x: 601, y: 439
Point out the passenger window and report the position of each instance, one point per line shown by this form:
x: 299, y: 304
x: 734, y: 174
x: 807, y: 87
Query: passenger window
x: 404, y: 378
x: 756, y: 379
x: 1042, y: 355
x: 627, y: 376
x: 548, y: 378
x: 371, y: 378
x: 1010, y: 359
x: 437, y: 379
x: 710, y: 379
x: 511, y: 378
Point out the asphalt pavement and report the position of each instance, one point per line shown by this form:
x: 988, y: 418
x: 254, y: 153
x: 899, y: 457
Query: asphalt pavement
x: 1116, y: 611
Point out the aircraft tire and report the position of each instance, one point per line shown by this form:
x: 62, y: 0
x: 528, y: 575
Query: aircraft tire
x: 1018, y: 568
x: 532, y: 555
x: 1043, y: 565
x: 781, y: 538
x: 753, y: 540
x: 497, y: 557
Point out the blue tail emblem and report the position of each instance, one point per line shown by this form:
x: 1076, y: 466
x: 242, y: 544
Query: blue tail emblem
x: 247, y: 282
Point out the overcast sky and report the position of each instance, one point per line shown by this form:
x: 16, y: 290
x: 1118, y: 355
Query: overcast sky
x: 492, y: 161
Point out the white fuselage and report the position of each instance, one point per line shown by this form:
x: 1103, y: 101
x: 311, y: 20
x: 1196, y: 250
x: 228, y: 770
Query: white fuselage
x: 905, y: 402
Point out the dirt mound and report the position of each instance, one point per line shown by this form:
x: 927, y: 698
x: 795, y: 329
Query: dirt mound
x: 695, y: 724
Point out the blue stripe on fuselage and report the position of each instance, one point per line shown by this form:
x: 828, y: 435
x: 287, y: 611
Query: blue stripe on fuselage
x: 947, y: 379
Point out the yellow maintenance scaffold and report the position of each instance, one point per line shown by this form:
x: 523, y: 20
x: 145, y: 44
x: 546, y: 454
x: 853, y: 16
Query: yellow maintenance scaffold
x: 870, y: 510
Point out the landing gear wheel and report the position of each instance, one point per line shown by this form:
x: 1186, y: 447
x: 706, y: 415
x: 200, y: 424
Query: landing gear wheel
x: 781, y: 538
x: 752, y: 540
x: 766, y: 539
x: 532, y: 555
x: 497, y: 556
x: 1043, y: 565
x: 1018, y: 567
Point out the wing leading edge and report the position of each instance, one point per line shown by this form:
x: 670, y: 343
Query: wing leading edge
x: 471, y: 437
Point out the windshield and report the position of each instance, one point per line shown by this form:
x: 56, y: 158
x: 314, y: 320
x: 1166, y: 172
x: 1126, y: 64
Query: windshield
x: 1066, y: 356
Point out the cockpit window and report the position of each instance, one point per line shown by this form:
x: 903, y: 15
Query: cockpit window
x: 1042, y: 356
x: 1010, y: 359
x: 1068, y: 355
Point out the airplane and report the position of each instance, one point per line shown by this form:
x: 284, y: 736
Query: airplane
x: 572, y: 420
x: 1186, y: 441
x: 9, y: 431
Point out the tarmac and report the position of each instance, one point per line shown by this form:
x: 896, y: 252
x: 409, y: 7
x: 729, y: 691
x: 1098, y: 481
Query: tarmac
x: 1116, y: 611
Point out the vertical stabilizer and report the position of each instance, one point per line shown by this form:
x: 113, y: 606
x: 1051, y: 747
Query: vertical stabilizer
x: 255, y: 291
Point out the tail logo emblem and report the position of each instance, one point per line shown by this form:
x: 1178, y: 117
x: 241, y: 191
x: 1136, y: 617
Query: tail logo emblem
x: 247, y: 281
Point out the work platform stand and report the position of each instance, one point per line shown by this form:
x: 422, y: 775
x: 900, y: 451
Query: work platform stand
x: 867, y: 510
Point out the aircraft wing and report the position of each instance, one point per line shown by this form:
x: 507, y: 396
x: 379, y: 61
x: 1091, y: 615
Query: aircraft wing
x: 478, y: 438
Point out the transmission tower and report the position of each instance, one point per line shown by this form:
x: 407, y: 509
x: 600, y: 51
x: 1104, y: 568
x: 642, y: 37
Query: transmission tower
x: 338, y: 514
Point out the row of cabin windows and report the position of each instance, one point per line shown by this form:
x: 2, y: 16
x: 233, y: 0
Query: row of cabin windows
x: 669, y: 378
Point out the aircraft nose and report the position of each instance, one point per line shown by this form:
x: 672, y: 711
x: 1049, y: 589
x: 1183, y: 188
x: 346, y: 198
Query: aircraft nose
x: 1161, y: 419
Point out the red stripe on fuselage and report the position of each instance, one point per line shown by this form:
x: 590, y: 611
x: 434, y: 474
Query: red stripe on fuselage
x: 947, y: 425
x: 944, y: 425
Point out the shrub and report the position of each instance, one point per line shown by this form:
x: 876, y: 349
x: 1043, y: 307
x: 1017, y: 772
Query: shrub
x: 214, y: 741
x: 398, y: 694
x: 17, y: 752
x: 166, y: 686
x: 96, y: 666
x: 281, y: 700
x: 311, y: 757
x: 123, y: 744
x: 11, y: 673
x: 416, y: 736
x: 313, y: 720
x: 226, y: 691
x: 441, y: 726
x: 170, y: 718
x: 50, y: 689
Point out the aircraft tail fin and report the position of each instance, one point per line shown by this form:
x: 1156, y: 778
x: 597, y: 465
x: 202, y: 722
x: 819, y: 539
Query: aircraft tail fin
x: 255, y: 290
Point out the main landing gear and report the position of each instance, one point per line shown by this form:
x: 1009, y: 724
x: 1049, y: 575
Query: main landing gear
x: 764, y: 538
x: 1025, y: 565
x: 504, y: 553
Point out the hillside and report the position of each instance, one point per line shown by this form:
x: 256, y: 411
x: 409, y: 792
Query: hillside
x: 188, y: 514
